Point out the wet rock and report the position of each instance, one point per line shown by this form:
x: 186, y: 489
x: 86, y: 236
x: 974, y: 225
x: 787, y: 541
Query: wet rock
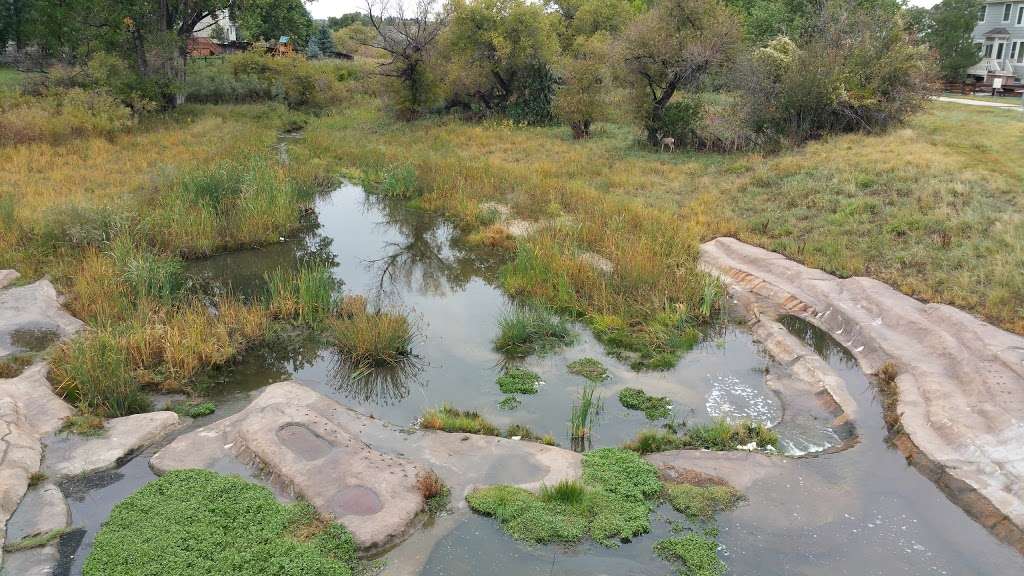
x: 960, y: 380
x: 34, y: 307
x: 71, y: 455
x: 44, y: 411
x: 20, y: 453
x: 354, y: 468
x: 42, y: 511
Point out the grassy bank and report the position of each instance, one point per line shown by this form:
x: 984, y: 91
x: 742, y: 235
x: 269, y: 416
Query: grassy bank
x: 932, y: 208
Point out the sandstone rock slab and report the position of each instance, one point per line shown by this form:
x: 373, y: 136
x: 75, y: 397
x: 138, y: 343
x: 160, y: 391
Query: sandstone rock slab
x: 8, y: 276
x: 960, y: 380
x: 33, y: 307
x: 355, y: 468
x: 42, y: 511
x: 69, y: 455
x: 20, y: 454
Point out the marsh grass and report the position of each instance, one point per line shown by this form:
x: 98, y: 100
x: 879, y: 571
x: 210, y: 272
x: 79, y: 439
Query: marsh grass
x: 583, y: 416
x: 651, y: 441
x: 527, y: 330
x: 94, y: 373
x: 889, y: 393
x: 14, y: 364
x: 450, y: 419
x: 517, y: 380
x: 370, y: 339
x: 307, y: 295
x: 721, y: 435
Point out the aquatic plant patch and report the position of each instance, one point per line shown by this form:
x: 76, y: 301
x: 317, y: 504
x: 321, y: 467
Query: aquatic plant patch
x: 653, y: 407
x: 611, y: 503
x: 366, y: 338
x: 509, y: 403
x: 589, y: 368
x: 526, y: 330
x: 192, y: 409
x: 519, y: 381
x: 721, y: 435
x: 651, y: 441
x: 701, y: 502
x: 190, y: 522
x: 695, y: 554
x: 583, y: 415
x: 451, y: 419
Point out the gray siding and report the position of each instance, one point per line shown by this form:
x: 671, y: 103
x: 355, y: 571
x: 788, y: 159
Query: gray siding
x: 1013, y: 42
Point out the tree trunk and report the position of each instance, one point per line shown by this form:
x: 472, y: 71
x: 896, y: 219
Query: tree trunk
x: 179, y: 73
x: 656, y: 120
x: 580, y: 129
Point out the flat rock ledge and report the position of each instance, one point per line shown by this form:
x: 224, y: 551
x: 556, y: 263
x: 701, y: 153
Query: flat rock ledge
x: 70, y: 455
x: 354, y: 468
x: 960, y: 380
x: 42, y: 511
x: 35, y: 306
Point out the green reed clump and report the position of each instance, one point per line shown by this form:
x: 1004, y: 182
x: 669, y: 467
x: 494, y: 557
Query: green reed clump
x: 526, y: 330
x: 654, y: 407
x: 569, y: 492
x: 590, y: 368
x: 519, y: 381
x: 450, y: 419
x: 145, y: 274
x: 397, y: 182
x: 307, y: 295
x: 94, y: 372
x: 583, y: 414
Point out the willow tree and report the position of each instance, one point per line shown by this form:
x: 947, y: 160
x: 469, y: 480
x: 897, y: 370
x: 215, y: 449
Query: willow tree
x: 674, y: 47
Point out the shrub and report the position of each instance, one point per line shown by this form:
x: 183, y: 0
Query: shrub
x: 450, y: 419
x: 527, y: 330
x: 252, y: 77
x: 653, y: 407
x: 589, y: 368
x: 199, y: 522
x: 519, y: 381
x: 61, y: 115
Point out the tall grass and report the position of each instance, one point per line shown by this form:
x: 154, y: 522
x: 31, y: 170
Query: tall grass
x: 368, y: 338
x: 307, y: 295
x: 721, y: 435
x: 526, y: 330
x: 583, y: 416
x: 451, y: 419
x: 94, y: 373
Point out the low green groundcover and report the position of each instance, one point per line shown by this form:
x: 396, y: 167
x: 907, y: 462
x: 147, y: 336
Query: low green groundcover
x: 612, y: 503
x: 199, y: 523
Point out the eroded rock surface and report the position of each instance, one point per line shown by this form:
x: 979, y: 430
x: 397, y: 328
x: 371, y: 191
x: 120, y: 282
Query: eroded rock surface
x: 70, y: 455
x: 960, y: 380
x: 33, y: 307
x: 354, y: 468
x: 42, y: 511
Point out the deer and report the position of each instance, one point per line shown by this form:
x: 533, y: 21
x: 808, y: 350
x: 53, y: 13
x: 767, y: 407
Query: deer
x: 667, y: 142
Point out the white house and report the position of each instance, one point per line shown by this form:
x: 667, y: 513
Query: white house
x: 206, y: 26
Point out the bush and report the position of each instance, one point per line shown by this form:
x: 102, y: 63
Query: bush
x: 253, y: 77
x: 679, y: 120
x: 62, y: 115
x: 199, y: 522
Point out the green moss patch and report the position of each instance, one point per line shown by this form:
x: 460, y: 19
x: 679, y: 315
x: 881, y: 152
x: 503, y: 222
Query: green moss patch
x: 193, y: 409
x: 611, y: 503
x: 695, y: 554
x: 519, y: 381
x: 701, y: 502
x: 192, y: 522
x: 589, y: 368
x: 654, y: 407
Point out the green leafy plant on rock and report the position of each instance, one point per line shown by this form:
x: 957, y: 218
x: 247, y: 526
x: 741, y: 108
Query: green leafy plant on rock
x: 191, y: 522
x: 611, y: 503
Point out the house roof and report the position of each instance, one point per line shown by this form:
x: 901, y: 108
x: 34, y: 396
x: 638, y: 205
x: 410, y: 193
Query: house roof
x: 284, y: 39
x: 997, y: 32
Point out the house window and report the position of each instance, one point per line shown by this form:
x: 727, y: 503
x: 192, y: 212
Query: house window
x: 1013, y: 50
x: 981, y: 13
x: 988, y: 50
x: 1007, y: 10
x: 1020, y: 15
x: 999, y: 51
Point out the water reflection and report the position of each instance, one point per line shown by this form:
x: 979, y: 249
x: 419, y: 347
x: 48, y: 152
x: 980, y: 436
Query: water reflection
x: 378, y: 385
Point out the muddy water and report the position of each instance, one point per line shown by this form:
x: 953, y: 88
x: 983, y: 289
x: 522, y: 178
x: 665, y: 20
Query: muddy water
x: 861, y: 511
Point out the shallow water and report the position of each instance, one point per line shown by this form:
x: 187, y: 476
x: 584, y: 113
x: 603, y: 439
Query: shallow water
x: 860, y: 511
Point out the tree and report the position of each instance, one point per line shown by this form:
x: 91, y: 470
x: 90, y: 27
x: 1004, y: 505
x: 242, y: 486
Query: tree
x: 585, y: 94
x: 675, y: 46
x: 592, y: 16
x: 271, y: 19
x: 324, y: 40
x: 407, y: 40
x: 336, y: 23
x: 498, y: 55
x: 218, y: 33
x: 952, y: 24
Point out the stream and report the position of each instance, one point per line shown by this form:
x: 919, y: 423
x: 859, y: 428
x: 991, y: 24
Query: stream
x: 859, y: 511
